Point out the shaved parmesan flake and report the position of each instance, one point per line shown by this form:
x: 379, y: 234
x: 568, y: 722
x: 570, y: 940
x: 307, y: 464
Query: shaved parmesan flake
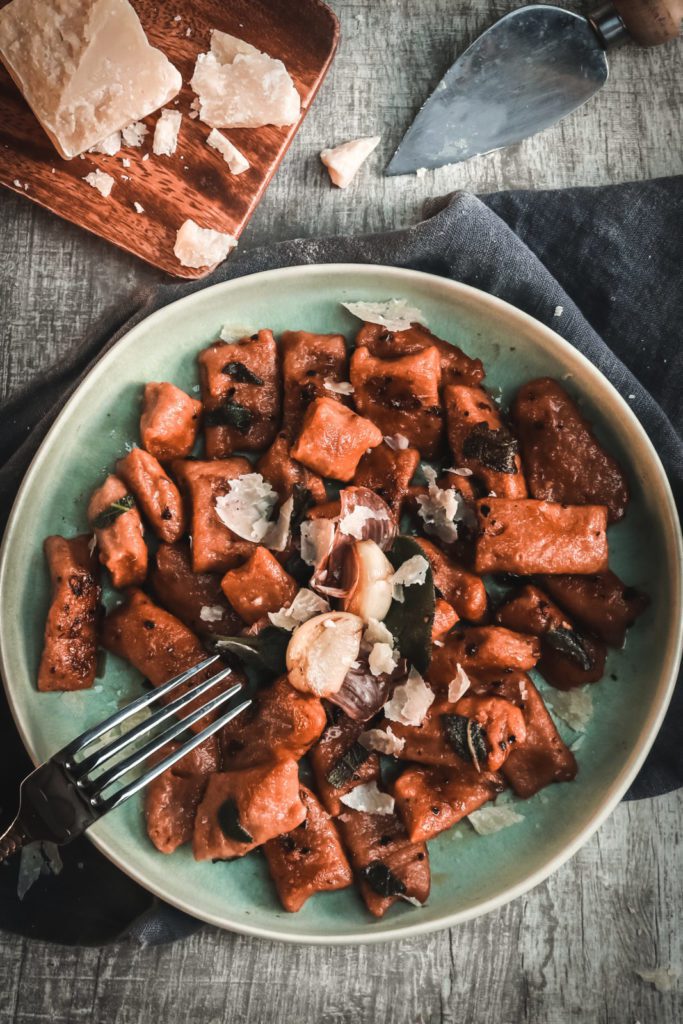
x: 92, y: 544
x: 317, y: 538
x: 410, y: 702
x: 664, y: 979
x: 413, y: 900
x: 104, y: 183
x: 377, y: 633
x: 440, y: 509
x: 459, y: 472
x: 397, y: 442
x: 459, y: 685
x: 488, y: 820
x: 367, y: 798
x: 235, y: 332
x: 211, y: 613
x: 383, y: 741
x: 339, y: 387
x: 109, y: 146
x: 353, y: 522
x: 134, y: 134
x: 412, y: 571
x: 382, y: 659
x: 138, y: 208
x: 394, y: 314
x: 236, y: 161
x: 166, y: 133
x: 306, y: 605
x: 343, y: 162
x: 247, y: 508
x: 575, y: 707
x: 201, y: 247
x: 240, y: 87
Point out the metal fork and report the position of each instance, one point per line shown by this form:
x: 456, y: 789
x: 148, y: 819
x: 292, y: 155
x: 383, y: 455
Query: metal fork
x: 61, y: 799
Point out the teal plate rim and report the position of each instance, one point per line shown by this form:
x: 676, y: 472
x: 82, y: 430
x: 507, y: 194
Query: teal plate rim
x: 395, y: 282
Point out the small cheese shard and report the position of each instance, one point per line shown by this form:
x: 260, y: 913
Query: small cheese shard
x: 201, y: 247
x: 343, y: 162
x: 109, y: 146
x: 236, y: 161
x: 488, y: 820
x: 134, y: 134
x: 410, y: 701
x: 394, y: 314
x: 166, y: 133
x: 240, y: 87
x: 368, y: 798
x: 104, y: 183
x: 85, y: 68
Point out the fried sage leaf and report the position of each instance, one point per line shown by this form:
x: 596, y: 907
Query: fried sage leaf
x: 230, y: 414
x: 467, y: 738
x: 411, y: 620
x: 241, y: 374
x: 110, y: 514
x: 347, y: 765
x: 381, y: 880
x: 229, y: 822
x: 569, y: 643
x: 266, y: 649
x: 495, y: 449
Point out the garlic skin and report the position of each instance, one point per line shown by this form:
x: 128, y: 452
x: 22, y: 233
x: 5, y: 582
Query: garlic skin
x: 321, y: 652
x: 370, y: 591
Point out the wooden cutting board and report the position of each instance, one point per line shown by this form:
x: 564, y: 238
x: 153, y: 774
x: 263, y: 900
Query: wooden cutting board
x: 195, y: 182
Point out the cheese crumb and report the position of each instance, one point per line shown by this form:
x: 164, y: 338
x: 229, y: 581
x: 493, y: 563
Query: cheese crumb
x: 338, y: 387
x: 575, y: 707
x: 138, y: 208
x: 306, y: 605
x: 343, y: 162
x: 247, y: 509
x: 459, y: 685
x: 410, y: 702
x: 394, y: 314
x: 559, y: 310
x: 235, y: 332
x: 440, y: 509
x: 397, y: 442
x: 383, y: 741
x: 353, y: 523
x: 488, y: 820
x: 462, y: 471
x: 412, y: 571
x: 166, y: 133
x: 109, y: 146
x: 236, y: 161
x: 211, y: 613
x: 202, y: 247
x: 382, y: 659
x: 104, y: 183
x: 134, y: 134
x: 125, y: 162
x: 377, y: 633
x: 369, y: 799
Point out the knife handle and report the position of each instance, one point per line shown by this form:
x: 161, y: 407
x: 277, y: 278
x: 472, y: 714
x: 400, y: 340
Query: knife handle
x: 651, y: 22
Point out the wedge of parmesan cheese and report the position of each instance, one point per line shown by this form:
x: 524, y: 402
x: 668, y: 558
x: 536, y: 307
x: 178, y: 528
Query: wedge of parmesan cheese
x: 394, y: 314
x: 236, y: 161
x: 201, y: 247
x: 343, y: 162
x: 104, y: 183
x: 240, y: 87
x: 85, y: 67
x: 166, y: 133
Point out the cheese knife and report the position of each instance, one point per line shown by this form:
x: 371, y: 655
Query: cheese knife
x: 529, y: 70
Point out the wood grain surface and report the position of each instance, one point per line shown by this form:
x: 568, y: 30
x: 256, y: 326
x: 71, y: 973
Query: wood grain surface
x: 565, y: 953
x: 195, y: 182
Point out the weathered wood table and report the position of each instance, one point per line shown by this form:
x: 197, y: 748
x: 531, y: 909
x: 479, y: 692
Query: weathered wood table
x: 569, y: 950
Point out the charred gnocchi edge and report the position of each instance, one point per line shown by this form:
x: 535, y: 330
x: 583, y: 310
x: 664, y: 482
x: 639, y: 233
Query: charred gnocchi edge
x: 356, y: 639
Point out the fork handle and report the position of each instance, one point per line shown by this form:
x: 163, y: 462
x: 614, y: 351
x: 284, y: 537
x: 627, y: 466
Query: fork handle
x: 12, y: 840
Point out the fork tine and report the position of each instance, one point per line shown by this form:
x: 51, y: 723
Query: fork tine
x: 95, y: 787
x: 134, y: 787
x: 90, y: 735
x: 82, y: 768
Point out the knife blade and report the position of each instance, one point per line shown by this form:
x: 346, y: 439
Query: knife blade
x: 529, y: 70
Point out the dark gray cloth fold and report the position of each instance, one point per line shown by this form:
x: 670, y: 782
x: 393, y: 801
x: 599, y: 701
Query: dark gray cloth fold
x: 611, y: 257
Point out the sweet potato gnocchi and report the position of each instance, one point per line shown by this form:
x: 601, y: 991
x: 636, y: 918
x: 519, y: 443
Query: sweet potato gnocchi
x: 382, y: 554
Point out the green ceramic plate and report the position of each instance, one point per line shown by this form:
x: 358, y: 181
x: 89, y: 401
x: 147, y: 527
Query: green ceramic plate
x: 471, y: 874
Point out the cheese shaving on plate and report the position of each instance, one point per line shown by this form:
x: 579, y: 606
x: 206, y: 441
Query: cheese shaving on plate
x: 459, y: 685
x: 211, y: 613
x: 368, y: 798
x: 317, y: 537
x: 306, y: 605
x: 383, y: 741
x: 439, y: 509
x: 394, y: 314
x: 382, y: 659
x: 575, y: 707
x: 412, y: 571
x: 410, y: 701
x: 377, y: 633
x: 247, y: 509
x: 353, y: 522
x: 397, y: 442
x: 338, y: 387
x: 488, y: 820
